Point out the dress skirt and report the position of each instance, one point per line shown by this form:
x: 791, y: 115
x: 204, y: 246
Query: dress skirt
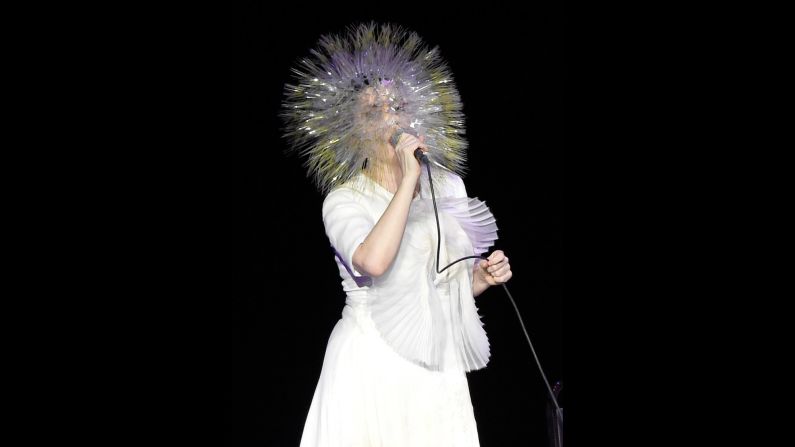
x: 369, y: 396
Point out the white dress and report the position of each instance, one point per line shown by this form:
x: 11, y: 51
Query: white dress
x: 394, y: 371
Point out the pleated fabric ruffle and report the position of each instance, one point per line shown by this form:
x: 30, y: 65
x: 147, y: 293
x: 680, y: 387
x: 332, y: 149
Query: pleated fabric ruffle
x: 405, y: 301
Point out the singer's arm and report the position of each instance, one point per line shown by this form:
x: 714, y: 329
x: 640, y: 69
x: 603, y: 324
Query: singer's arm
x: 374, y: 256
x: 479, y: 285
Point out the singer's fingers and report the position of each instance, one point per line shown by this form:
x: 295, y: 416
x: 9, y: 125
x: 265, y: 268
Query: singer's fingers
x: 409, y: 137
x: 503, y: 278
x: 495, y: 265
x: 497, y: 256
x: 407, y: 147
x: 500, y: 270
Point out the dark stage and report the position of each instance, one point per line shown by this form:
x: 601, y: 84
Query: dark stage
x: 255, y: 253
x: 284, y: 294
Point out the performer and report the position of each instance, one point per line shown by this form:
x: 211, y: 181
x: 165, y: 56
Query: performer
x: 394, y: 372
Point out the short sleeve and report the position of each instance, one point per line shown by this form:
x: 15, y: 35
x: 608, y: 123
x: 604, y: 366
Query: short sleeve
x: 347, y: 222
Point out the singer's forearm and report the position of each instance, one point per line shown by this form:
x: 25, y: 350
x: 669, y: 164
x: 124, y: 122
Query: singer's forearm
x: 375, y: 255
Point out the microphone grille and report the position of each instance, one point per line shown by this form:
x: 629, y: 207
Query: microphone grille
x: 396, y: 137
x: 398, y: 133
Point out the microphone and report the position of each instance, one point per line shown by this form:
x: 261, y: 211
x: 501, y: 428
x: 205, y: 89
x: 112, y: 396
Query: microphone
x: 418, y: 153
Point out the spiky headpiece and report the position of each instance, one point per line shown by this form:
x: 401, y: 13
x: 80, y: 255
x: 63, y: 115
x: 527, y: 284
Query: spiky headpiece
x: 355, y: 91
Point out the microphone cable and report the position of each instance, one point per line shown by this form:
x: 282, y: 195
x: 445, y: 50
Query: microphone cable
x: 423, y: 158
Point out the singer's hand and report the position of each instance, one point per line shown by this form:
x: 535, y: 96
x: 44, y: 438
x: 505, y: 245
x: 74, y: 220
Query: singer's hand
x: 494, y: 270
x: 406, y: 145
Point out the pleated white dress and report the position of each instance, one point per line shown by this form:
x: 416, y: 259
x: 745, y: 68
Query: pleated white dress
x: 394, y: 371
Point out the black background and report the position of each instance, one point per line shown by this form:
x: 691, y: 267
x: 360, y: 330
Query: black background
x: 285, y: 297
x: 241, y: 241
x: 203, y: 245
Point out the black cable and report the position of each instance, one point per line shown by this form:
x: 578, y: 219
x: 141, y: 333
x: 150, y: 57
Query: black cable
x: 438, y: 249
